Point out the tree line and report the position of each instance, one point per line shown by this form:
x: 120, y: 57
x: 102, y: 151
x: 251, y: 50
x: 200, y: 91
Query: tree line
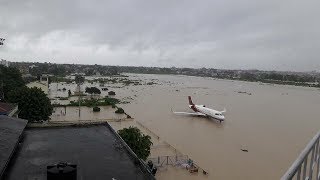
x: 33, y: 103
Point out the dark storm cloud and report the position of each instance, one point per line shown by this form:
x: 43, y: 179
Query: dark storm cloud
x: 265, y: 34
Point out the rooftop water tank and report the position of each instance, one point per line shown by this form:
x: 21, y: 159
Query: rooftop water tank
x: 62, y: 171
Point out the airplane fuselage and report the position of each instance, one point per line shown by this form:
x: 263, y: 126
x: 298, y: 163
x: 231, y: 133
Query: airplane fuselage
x: 208, y: 112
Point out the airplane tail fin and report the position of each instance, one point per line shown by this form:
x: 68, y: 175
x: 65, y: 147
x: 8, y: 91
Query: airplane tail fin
x: 190, y: 100
x: 224, y: 110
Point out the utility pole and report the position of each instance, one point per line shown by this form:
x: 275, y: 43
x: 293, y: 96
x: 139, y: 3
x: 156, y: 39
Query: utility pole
x: 1, y: 90
x: 79, y: 99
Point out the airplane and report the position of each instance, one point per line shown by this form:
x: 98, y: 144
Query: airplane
x: 202, y: 110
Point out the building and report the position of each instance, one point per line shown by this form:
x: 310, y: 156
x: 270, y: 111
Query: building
x: 5, y: 63
x: 42, y: 85
x: 11, y: 130
x: 8, y: 109
x: 96, y: 150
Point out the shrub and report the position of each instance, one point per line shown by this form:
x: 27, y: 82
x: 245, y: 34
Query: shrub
x: 34, y: 105
x: 96, y: 109
x: 63, y: 98
x: 111, y: 93
x: 138, y: 142
x: 119, y: 111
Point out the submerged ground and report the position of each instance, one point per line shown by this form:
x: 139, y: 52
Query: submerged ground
x: 272, y: 122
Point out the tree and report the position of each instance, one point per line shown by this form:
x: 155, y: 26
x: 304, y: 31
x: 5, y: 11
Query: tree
x: 138, y: 142
x: 33, y: 103
x: 96, y: 109
x: 79, y: 79
x: 93, y: 90
x: 119, y: 111
x: 10, y: 79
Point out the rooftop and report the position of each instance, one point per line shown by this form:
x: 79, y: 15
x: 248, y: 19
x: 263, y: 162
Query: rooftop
x: 11, y: 130
x: 95, y: 149
x: 6, y: 108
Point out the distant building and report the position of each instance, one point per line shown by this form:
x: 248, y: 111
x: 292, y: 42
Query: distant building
x: 42, y: 83
x: 33, y: 66
x: 80, y: 74
x: 8, y: 109
x: 23, y: 69
x: 5, y: 63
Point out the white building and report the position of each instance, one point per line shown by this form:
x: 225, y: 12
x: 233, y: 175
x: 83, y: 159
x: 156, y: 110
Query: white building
x: 5, y: 62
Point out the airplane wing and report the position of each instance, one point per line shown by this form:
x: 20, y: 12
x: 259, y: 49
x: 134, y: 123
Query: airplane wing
x: 190, y: 113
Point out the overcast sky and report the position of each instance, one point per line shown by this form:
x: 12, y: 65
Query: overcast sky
x: 230, y: 34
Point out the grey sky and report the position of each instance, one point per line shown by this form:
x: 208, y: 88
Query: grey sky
x: 233, y: 34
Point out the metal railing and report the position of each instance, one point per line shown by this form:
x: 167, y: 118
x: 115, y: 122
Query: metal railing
x: 169, y: 160
x: 175, y: 160
x: 301, y: 169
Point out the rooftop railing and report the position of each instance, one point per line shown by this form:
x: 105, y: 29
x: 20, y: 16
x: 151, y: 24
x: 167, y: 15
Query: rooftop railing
x: 306, y: 166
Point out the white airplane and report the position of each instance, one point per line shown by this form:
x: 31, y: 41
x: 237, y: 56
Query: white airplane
x: 202, y: 110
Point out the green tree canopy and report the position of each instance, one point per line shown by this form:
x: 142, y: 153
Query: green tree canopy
x: 33, y: 103
x: 10, y: 79
x: 79, y: 79
x: 93, y: 90
x: 138, y: 142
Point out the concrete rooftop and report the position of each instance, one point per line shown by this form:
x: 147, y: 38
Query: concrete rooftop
x: 95, y: 150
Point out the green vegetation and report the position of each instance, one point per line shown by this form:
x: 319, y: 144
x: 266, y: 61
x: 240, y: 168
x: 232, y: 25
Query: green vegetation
x: 111, y: 101
x: 119, y: 111
x: 63, y: 98
x: 48, y: 68
x: 138, y: 142
x: 96, y: 109
x: 92, y: 90
x: 116, y: 80
x: 311, y: 79
x: 284, y: 79
x: 94, y: 102
x: 10, y: 80
x: 79, y: 79
x: 33, y: 103
x: 58, y: 79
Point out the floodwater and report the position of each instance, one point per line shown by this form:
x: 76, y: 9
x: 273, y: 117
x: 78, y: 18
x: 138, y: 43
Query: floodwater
x: 274, y: 123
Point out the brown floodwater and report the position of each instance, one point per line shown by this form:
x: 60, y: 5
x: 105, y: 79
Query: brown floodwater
x: 274, y: 123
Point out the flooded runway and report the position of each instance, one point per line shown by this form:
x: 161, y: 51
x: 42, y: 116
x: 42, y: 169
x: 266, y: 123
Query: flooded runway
x: 272, y: 122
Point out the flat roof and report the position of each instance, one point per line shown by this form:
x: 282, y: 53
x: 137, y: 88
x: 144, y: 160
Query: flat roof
x: 6, y: 108
x: 94, y: 149
x: 11, y: 130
